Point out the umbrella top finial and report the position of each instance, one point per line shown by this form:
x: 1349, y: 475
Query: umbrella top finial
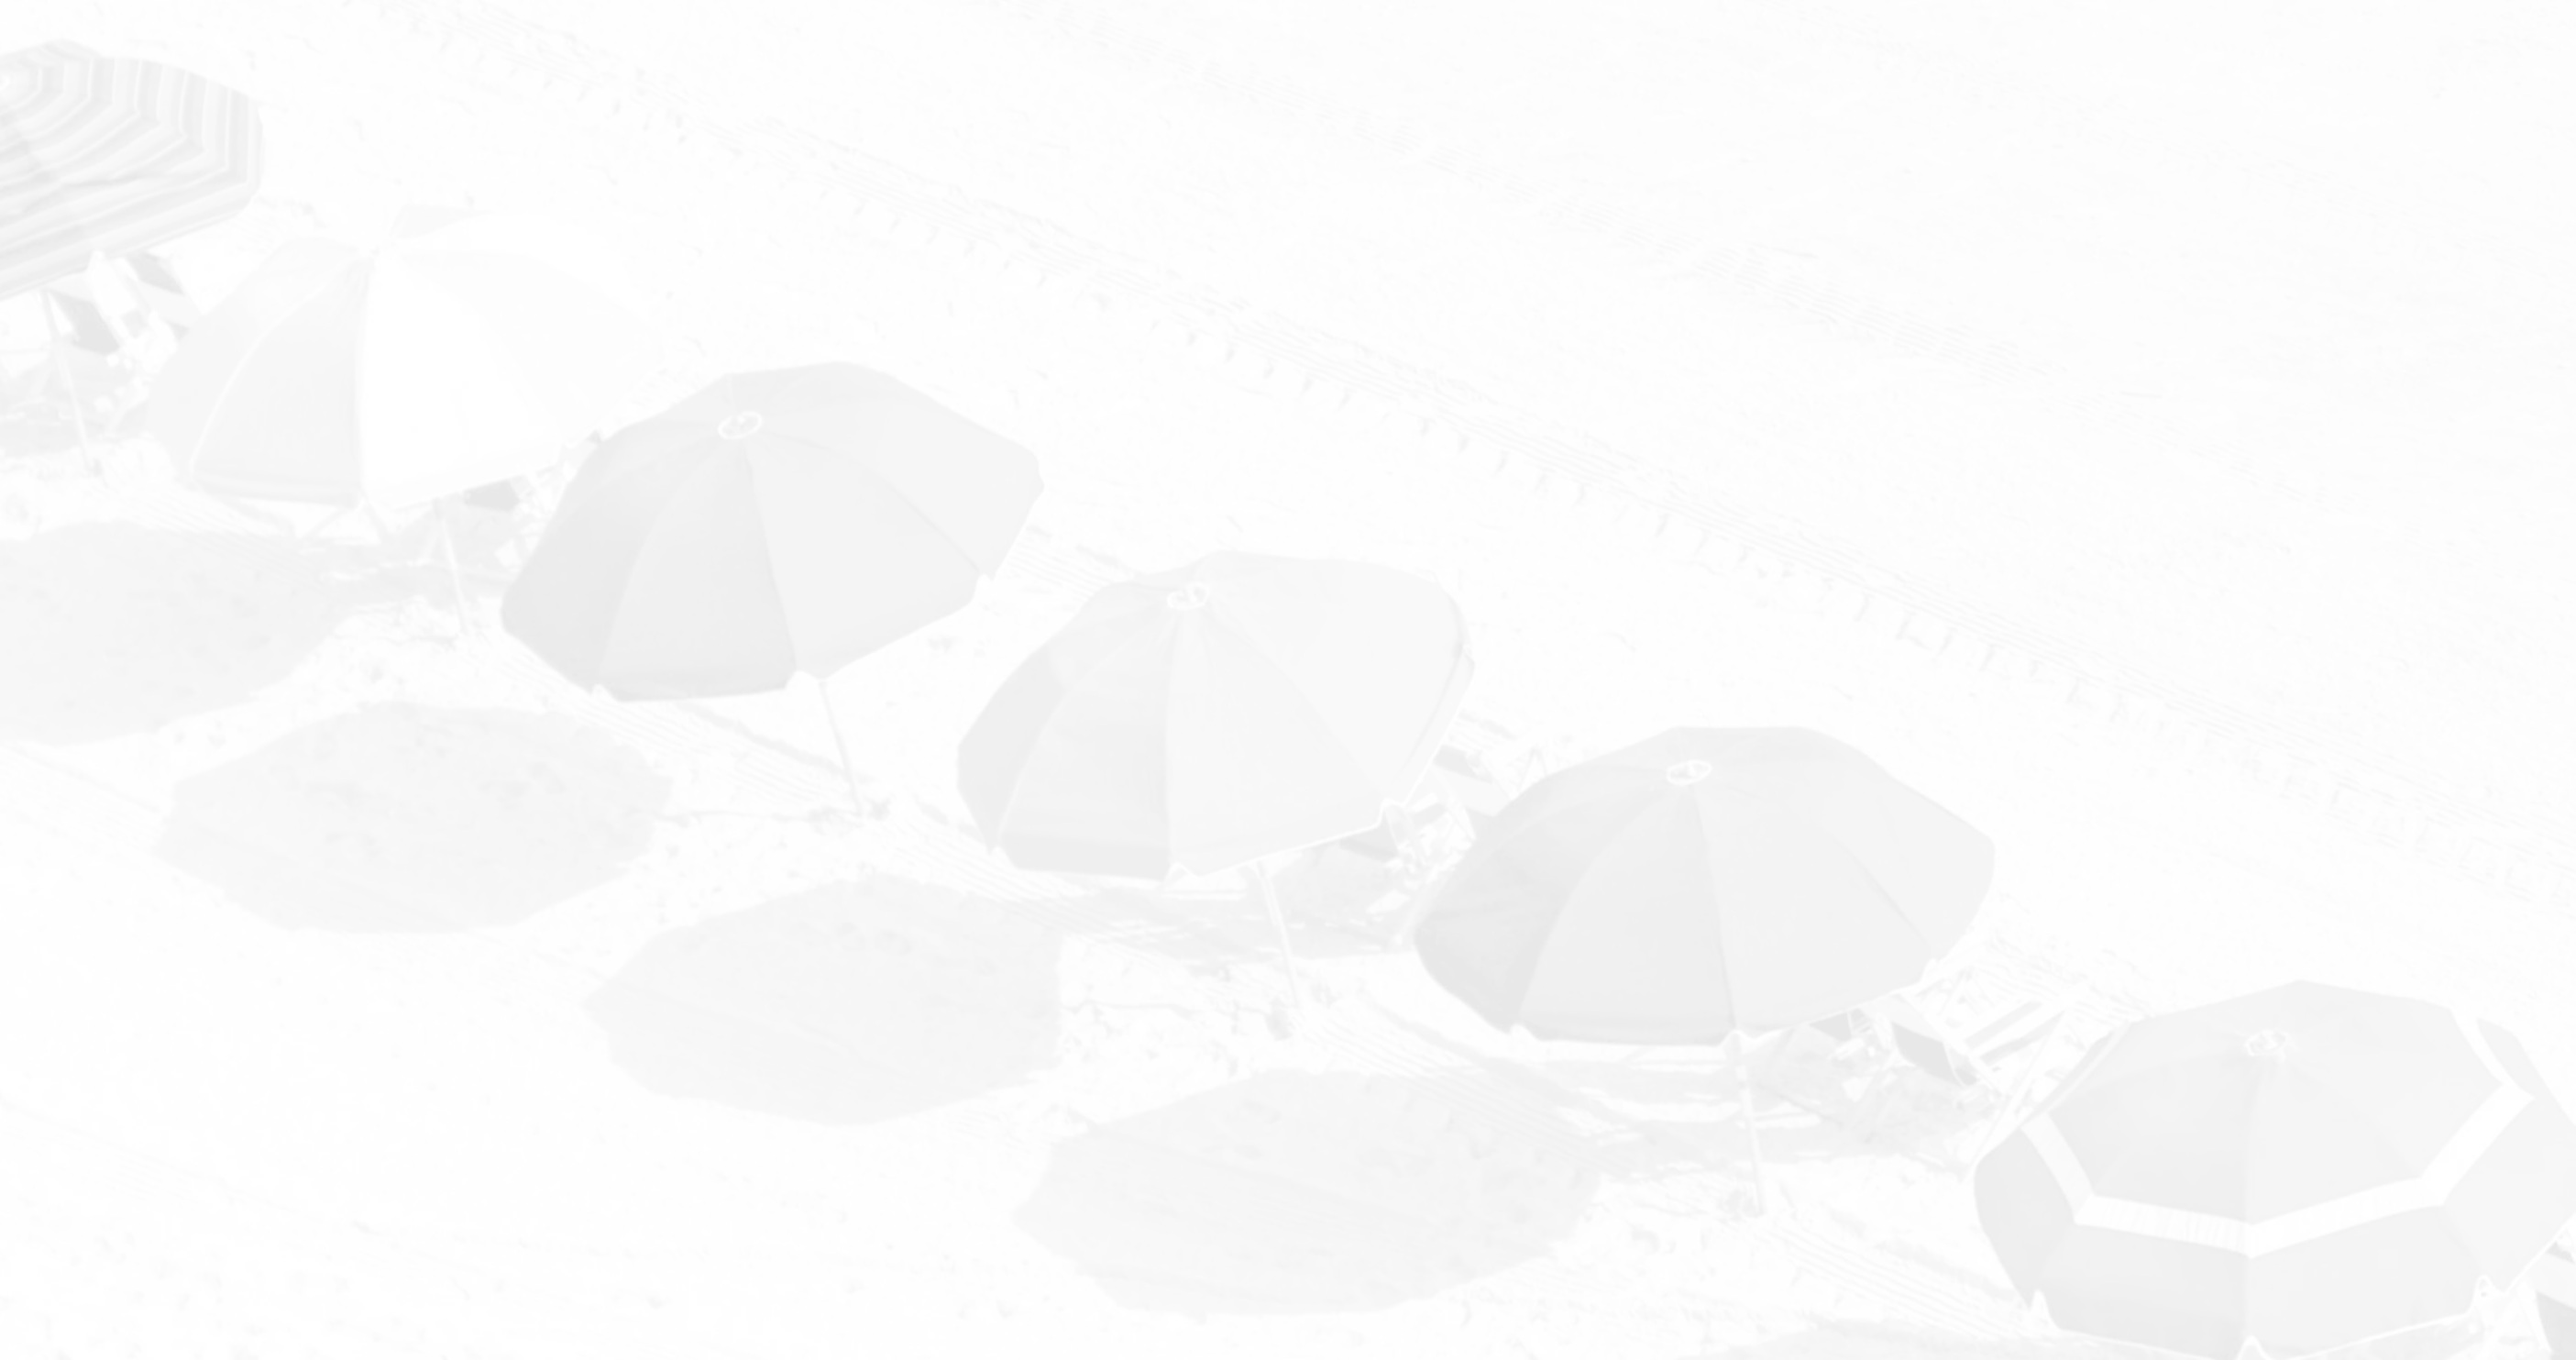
x: 1190, y: 596
x: 1689, y: 772
x: 2267, y: 1043
x: 739, y: 425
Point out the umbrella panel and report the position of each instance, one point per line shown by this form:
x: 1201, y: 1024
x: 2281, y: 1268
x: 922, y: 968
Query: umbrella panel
x: 832, y: 524
x: 1090, y: 794
x: 699, y: 615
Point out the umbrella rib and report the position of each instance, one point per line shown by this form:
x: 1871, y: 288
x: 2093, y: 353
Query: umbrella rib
x: 895, y: 494
x: 215, y: 408
x: 644, y: 543
x: 508, y: 361
x: 1011, y: 798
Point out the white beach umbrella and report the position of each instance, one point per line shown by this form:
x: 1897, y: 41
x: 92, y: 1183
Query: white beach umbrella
x: 463, y: 349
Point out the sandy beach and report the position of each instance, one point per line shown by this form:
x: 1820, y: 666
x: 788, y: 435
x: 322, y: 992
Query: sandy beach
x: 2145, y: 436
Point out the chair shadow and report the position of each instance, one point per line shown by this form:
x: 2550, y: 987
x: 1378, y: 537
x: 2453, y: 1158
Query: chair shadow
x: 115, y: 629
x: 399, y: 818
x: 1302, y: 1193
x: 843, y: 1005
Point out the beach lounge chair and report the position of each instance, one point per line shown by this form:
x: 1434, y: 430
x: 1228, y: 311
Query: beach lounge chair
x: 1990, y: 1060
x: 1457, y: 800
x: 1457, y: 787
x: 115, y: 315
x: 1853, y: 1031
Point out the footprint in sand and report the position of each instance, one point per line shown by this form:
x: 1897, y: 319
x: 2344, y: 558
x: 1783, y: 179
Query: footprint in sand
x: 348, y: 794
x: 1255, y: 1113
x: 1394, y: 1163
x: 354, y: 846
x: 539, y: 774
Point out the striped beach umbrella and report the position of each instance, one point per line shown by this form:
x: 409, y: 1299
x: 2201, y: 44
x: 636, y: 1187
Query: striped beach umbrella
x: 2305, y: 1167
x: 111, y: 155
x: 463, y: 349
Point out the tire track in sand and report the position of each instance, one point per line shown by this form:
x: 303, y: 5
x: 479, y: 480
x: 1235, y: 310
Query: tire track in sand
x: 2394, y: 802
x: 2415, y: 230
x: 1768, y: 276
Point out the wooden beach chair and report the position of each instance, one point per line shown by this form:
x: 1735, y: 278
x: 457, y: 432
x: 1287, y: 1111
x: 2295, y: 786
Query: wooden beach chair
x: 1850, y: 1031
x: 1989, y: 1062
x: 1459, y: 794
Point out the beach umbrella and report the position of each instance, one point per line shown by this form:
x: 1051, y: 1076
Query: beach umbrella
x: 1701, y: 885
x: 111, y: 155
x: 784, y: 521
x: 1217, y: 714
x: 2306, y: 1167
x: 462, y: 349
x: 103, y: 157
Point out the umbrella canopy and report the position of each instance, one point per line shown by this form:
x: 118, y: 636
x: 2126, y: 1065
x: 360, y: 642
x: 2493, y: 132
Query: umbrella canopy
x: 1217, y: 713
x: 465, y: 349
x: 2308, y: 1166
x: 1701, y: 884
x: 776, y: 522
x: 102, y: 155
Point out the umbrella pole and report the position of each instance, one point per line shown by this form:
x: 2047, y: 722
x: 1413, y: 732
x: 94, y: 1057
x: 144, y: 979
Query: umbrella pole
x: 1279, y: 925
x: 841, y: 744
x: 455, y: 576
x: 71, y: 385
x: 1752, y: 1135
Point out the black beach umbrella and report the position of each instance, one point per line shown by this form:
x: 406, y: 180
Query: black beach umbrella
x: 771, y: 524
x: 1214, y: 714
x: 2291, y: 1170
x: 1699, y: 887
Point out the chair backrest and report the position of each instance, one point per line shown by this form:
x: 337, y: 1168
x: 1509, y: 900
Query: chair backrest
x: 1511, y: 763
x: 1969, y: 1058
x: 1945, y: 972
x: 104, y: 297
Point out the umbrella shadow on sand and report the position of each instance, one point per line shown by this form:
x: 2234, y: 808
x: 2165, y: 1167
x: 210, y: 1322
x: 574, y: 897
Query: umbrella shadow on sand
x: 114, y: 629
x: 843, y: 1005
x: 398, y: 818
x: 1302, y: 1193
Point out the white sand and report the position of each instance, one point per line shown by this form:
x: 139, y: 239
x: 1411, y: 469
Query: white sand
x: 2150, y: 443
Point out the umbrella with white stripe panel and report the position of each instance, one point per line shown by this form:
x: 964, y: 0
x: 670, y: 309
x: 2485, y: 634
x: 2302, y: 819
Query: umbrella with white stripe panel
x: 2300, y: 1168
